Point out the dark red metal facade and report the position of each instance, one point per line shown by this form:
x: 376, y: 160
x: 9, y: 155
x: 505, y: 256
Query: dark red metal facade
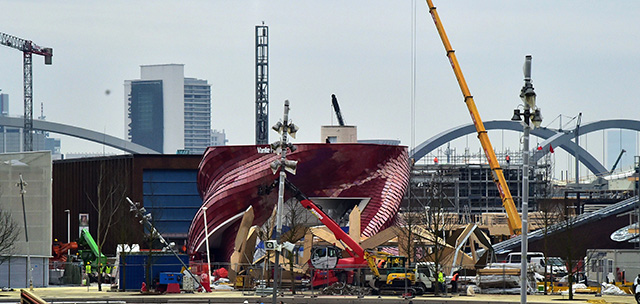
x: 230, y: 180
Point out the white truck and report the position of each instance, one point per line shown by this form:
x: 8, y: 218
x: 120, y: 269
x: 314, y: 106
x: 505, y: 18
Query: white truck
x: 425, y: 277
x: 536, y: 262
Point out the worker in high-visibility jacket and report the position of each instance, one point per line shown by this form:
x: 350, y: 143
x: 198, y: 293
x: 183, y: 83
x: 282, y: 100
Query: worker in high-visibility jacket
x: 440, y: 280
x: 454, y: 282
x: 87, y: 271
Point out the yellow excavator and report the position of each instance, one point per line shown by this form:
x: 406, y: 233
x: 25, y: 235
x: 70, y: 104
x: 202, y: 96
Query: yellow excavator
x: 515, y: 224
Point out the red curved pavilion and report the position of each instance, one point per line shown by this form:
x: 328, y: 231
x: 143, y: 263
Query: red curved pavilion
x: 230, y: 177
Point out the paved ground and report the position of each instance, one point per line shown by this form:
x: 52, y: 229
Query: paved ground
x: 92, y: 295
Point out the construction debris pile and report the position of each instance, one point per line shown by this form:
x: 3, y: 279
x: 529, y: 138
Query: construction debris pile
x: 342, y: 289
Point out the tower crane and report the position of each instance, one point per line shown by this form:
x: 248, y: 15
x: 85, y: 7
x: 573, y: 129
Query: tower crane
x: 28, y: 48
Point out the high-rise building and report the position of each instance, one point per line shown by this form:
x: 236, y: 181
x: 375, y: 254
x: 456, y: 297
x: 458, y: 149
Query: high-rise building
x: 197, y: 115
x: 167, y: 112
x: 11, y: 139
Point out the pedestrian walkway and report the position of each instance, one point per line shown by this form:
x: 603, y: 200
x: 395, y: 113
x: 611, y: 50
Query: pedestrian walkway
x: 92, y: 295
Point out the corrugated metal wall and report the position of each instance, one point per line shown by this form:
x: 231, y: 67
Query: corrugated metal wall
x: 171, y: 195
x: 75, y: 187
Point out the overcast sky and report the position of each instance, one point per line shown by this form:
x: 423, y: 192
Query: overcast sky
x: 585, y: 59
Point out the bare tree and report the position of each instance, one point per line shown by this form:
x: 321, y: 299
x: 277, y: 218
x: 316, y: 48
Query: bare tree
x: 408, y: 227
x: 435, y: 223
x: 111, y: 192
x: 265, y: 233
x: 296, y: 217
x: 550, y: 213
x: 572, y: 242
x: 410, y: 244
x: 9, y: 231
x: 408, y: 222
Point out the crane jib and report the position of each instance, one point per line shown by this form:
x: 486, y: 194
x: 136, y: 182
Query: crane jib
x: 512, y: 215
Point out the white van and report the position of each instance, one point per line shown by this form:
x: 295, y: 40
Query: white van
x: 536, y: 262
x: 516, y: 257
x: 555, y: 266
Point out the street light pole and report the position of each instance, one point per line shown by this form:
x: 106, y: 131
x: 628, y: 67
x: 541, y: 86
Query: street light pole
x: 22, y: 184
x: 525, y: 207
x: 206, y: 240
x: 68, y: 212
x: 285, y: 127
x: 531, y: 115
x: 283, y: 176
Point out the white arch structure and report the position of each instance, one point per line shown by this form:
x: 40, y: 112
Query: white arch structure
x: 101, y: 138
x: 553, y: 138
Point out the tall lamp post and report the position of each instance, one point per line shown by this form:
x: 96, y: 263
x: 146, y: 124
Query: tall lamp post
x: 68, y: 212
x: 530, y: 115
x: 22, y: 184
x: 206, y: 234
x: 283, y: 127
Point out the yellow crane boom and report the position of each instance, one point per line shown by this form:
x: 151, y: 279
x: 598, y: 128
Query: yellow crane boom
x: 515, y: 224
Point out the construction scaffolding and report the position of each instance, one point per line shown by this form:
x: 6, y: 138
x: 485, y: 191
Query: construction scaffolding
x: 466, y: 186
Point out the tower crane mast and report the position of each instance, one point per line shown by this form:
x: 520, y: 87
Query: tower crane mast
x: 28, y: 48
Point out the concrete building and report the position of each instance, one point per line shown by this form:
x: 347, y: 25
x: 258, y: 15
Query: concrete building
x: 218, y: 138
x: 166, y: 111
x: 339, y: 134
x: 34, y: 244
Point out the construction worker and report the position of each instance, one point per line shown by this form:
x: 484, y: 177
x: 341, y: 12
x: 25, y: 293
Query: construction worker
x: 454, y: 282
x: 87, y: 272
x: 440, y: 280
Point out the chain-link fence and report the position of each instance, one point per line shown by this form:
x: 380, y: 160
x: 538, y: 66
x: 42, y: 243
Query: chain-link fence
x: 420, y: 278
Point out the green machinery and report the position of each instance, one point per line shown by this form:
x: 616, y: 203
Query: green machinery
x: 91, y: 255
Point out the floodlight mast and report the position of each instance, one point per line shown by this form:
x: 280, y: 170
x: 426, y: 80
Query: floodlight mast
x: 285, y: 127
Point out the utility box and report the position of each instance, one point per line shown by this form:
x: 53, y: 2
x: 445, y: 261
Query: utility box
x: 170, y: 278
x: 134, y: 268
